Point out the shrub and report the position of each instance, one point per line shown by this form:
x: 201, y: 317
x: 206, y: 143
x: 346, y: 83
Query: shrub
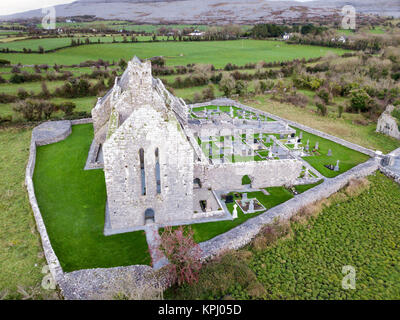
x: 324, y: 95
x: 7, y: 98
x: 359, y: 100
x: 17, y: 78
x: 321, y: 107
x: 183, y: 253
x: 240, y: 87
x: 22, y: 94
x: 340, y: 111
x: 67, y: 107
x: 227, y: 85
x: 4, y: 62
x: 208, y: 93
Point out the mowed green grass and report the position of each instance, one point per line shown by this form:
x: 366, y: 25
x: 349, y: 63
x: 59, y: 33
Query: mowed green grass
x: 72, y: 202
x: 218, y: 53
x: 348, y: 158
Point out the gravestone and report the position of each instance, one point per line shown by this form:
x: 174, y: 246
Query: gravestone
x: 329, y: 153
x: 337, y: 166
x: 234, y: 213
x: 316, y: 146
x: 244, y: 198
x: 251, y: 206
x: 301, y: 135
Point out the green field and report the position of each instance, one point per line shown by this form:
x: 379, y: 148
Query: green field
x: 72, y: 203
x: 359, y: 230
x: 219, y: 53
x: 21, y: 253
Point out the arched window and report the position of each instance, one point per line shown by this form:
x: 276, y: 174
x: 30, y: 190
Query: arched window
x: 158, y: 179
x: 142, y: 172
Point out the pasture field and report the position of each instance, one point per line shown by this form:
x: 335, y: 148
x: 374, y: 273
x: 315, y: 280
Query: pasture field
x: 21, y: 253
x: 353, y: 227
x: 219, y: 53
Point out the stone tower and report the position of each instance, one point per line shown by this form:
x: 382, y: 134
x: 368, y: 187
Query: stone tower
x: 148, y: 161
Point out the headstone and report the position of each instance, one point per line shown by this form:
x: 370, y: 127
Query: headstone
x: 251, y: 206
x: 244, y: 198
x: 316, y: 146
x: 306, y: 173
x: 301, y: 135
x: 234, y: 213
x: 268, y: 139
x: 231, y: 112
x: 329, y: 153
x: 337, y: 166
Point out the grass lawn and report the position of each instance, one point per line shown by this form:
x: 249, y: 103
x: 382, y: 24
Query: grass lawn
x: 304, y: 187
x: 349, y: 158
x: 219, y: 53
x: 72, y: 202
x: 206, y: 231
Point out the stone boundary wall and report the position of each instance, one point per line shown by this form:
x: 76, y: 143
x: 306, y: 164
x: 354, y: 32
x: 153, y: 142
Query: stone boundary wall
x: 40, y: 140
x: 229, y: 102
x: 81, y: 121
x: 391, y: 174
x: 244, y: 233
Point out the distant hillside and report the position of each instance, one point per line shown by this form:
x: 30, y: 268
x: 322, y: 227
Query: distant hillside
x: 212, y: 11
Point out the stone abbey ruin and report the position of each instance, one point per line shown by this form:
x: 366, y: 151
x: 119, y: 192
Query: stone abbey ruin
x: 170, y: 164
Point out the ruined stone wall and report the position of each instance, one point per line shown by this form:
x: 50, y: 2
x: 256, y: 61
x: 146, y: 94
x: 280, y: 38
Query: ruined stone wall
x: 148, y: 129
x: 228, y: 176
x: 100, y: 115
x: 387, y: 124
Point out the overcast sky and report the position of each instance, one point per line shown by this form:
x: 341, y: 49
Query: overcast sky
x: 14, y: 6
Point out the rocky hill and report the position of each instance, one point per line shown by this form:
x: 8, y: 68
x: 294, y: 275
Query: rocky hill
x: 212, y: 11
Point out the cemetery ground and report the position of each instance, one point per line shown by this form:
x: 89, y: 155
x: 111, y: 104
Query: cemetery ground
x: 304, y: 260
